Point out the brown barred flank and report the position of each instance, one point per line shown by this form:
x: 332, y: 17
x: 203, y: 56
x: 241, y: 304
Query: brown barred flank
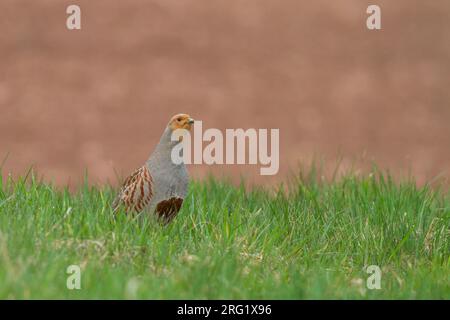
x: 133, y: 194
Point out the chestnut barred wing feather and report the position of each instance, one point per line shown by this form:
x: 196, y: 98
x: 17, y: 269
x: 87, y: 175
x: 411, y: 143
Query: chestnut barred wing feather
x: 136, y: 191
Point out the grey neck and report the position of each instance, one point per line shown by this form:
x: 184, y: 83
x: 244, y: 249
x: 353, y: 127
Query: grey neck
x: 163, y: 150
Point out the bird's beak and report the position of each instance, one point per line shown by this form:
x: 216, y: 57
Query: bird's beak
x: 191, y: 121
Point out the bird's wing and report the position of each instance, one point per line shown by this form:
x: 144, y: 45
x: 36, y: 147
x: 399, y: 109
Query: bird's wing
x: 136, y: 191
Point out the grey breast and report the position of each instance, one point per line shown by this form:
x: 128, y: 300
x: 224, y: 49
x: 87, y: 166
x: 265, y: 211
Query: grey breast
x: 170, y: 180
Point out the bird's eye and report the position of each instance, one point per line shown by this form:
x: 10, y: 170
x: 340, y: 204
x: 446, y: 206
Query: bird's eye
x: 179, y: 119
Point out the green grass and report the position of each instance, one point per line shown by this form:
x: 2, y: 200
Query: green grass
x: 313, y: 241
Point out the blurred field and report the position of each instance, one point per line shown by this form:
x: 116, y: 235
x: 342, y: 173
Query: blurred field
x: 98, y: 99
x: 313, y: 242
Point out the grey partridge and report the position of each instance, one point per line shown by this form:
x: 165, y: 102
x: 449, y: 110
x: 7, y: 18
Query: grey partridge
x: 160, y: 185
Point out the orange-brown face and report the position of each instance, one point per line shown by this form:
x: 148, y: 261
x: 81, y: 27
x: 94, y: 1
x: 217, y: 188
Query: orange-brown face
x: 181, y: 121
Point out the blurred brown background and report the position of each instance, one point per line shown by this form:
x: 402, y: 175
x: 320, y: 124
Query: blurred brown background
x: 99, y: 98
